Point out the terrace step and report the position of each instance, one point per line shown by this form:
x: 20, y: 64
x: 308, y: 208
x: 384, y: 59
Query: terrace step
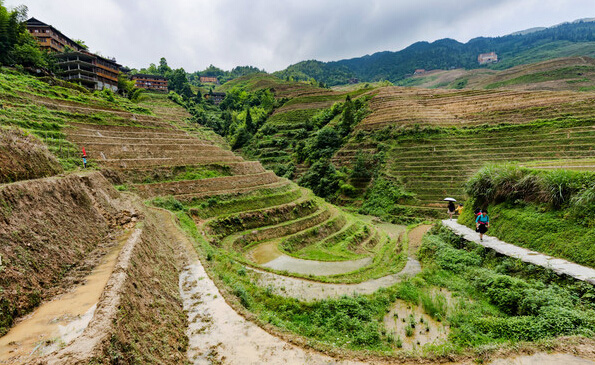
x: 235, y: 168
x: 121, y: 130
x: 228, y: 224
x: 148, y: 162
x: 206, y: 186
x: 282, y: 183
x: 192, y: 150
x: 238, y: 241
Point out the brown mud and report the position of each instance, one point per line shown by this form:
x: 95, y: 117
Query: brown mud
x: 24, y: 157
x: 56, y: 323
x: 218, y: 334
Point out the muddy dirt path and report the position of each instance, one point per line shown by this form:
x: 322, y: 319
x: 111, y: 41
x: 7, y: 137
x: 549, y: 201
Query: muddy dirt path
x: 58, y: 322
x: 543, y: 359
x: 415, y: 236
x: 217, y: 334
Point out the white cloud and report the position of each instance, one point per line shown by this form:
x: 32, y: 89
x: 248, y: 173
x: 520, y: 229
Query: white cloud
x: 273, y: 34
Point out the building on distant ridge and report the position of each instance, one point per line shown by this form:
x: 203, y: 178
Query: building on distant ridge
x: 419, y: 71
x: 485, y: 58
x: 75, y: 63
x: 209, y: 79
x: 150, y: 82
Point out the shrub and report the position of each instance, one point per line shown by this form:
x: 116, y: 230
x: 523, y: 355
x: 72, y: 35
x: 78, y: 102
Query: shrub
x: 446, y: 256
x: 504, y: 291
x: 322, y: 178
x: 509, y: 182
x: 169, y: 203
x: 381, y: 199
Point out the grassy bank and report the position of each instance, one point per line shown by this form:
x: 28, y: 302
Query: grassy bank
x: 552, y: 212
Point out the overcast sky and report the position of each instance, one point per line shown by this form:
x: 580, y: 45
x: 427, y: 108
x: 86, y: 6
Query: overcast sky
x: 273, y: 34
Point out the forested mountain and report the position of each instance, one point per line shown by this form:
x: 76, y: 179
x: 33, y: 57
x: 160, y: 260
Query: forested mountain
x: 568, y: 39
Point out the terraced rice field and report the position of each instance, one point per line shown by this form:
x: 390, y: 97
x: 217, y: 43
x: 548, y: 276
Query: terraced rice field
x: 238, y: 203
x: 436, y: 165
x: 408, y: 106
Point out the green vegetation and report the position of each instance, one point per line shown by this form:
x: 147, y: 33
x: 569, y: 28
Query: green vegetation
x: 558, y: 74
x: 433, y: 162
x: 502, y: 300
x: 350, y: 322
x: 565, y: 40
x: 315, y: 70
x: 491, y: 301
x: 17, y: 46
x: 382, y: 199
x: 44, y: 120
x: 552, y: 212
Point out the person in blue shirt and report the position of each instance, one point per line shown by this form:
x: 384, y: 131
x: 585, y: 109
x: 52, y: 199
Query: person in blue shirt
x: 482, y: 223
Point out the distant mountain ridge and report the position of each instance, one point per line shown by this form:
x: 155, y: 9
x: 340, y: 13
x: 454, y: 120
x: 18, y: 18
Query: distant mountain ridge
x: 532, y: 45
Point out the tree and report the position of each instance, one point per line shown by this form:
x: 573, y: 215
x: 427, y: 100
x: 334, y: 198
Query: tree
x: 242, y: 137
x: 178, y: 82
x: 17, y: 46
x: 322, y: 178
x: 347, y: 117
x: 325, y: 143
x: 250, y: 127
x: 163, y: 68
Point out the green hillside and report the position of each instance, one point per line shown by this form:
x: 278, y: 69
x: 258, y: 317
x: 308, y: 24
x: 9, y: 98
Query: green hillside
x: 565, y: 40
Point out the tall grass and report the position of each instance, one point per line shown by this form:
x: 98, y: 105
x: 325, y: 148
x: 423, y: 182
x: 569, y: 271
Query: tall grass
x: 511, y: 183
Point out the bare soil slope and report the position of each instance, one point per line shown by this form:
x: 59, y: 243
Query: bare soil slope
x: 51, y: 232
x: 24, y: 157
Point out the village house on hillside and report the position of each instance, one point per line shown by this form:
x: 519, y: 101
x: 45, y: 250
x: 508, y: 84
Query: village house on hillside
x: 209, y: 79
x: 75, y: 62
x: 217, y: 97
x: 150, y: 82
x: 419, y: 71
x: 485, y: 58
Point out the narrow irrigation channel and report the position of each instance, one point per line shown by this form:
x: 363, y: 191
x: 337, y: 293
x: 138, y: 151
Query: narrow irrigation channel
x: 58, y: 322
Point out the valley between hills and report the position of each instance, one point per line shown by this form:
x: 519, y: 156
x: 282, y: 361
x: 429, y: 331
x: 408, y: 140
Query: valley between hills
x: 302, y: 227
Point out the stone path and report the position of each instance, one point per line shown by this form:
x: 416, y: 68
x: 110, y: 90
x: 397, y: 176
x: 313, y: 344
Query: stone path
x: 559, y: 266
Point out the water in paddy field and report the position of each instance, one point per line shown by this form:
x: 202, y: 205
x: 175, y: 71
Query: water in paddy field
x: 426, y: 330
x: 264, y: 253
x: 56, y: 323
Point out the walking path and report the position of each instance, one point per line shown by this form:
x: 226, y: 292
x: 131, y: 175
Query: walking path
x: 559, y: 266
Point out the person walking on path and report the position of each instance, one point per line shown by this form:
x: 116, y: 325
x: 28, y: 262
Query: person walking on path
x: 451, y: 210
x: 482, y: 223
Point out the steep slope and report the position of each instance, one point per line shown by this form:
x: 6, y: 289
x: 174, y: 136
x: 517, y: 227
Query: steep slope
x: 24, y: 157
